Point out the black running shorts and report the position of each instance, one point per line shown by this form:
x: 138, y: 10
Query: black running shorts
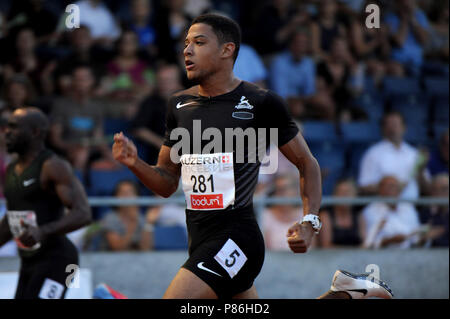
x: 45, y: 276
x: 227, y: 255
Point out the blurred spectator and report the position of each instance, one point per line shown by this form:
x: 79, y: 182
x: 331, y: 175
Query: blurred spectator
x: 77, y: 121
x: 436, y: 216
x: 341, y: 223
x: 438, y: 162
x: 33, y: 14
x: 82, y: 51
x: 196, y: 7
x: 390, y: 225
x: 149, y: 123
x: 124, y: 227
x: 340, y: 77
x: 278, y: 218
x: 150, y: 21
x: 326, y: 28
x: 284, y: 167
x: 18, y: 92
x: 354, y: 6
x: 152, y: 28
x: 97, y: 17
x: 292, y: 72
x: 408, y: 31
x: 179, y: 21
x: 438, y: 42
x: 249, y: 66
x: 370, y: 45
x: 170, y: 214
x: 392, y: 156
x: 26, y: 61
x: 275, y: 25
x: 129, y: 77
x: 141, y: 23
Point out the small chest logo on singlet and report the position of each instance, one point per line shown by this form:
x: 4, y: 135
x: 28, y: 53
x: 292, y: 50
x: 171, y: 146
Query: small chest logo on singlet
x: 244, y: 104
x: 29, y: 182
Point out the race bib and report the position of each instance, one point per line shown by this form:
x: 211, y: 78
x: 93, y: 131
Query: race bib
x: 14, y: 218
x: 51, y: 290
x: 231, y: 258
x: 208, y: 180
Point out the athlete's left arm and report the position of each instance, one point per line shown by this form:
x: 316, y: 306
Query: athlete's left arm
x: 298, y: 153
x: 68, y: 188
x: 57, y: 176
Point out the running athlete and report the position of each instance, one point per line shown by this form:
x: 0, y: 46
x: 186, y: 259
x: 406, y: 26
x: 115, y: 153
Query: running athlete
x: 226, y: 247
x: 38, y: 187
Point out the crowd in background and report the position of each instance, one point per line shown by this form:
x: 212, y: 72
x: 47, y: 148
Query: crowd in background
x: 367, y: 100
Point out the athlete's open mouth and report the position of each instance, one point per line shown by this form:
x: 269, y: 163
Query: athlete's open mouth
x: 189, y: 64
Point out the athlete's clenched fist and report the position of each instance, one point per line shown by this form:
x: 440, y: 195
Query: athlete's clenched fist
x: 124, y: 150
x: 300, y: 237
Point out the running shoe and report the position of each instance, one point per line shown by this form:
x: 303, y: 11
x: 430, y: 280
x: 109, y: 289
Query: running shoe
x: 361, y: 286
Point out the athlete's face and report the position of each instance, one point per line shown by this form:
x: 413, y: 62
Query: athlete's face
x: 202, y: 52
x: 18, y: 133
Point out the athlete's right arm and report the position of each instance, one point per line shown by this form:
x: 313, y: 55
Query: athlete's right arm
x: 161, y: 179
x: 5, y: 233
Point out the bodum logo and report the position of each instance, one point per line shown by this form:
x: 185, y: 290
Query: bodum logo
x: 207, y: 201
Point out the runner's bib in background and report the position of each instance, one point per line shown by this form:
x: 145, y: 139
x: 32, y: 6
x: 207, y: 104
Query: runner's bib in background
x: 208, y: 180
x: 14, y: 218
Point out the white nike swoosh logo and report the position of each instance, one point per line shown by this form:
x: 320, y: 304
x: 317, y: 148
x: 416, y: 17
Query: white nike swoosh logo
x: 179, y: 105
x: 200, y: 265
x: 28, y: 182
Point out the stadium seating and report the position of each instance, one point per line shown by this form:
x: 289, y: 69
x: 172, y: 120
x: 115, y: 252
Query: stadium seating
x: 115, y: 125
x: 395, y: 86
x: 437, y: 90
x: 170, y: 238
x: 438, y: 130
x: 440, y: 111
x: 417, y: 135
x: 372, y: 103
x: 436, y: 86
x: 357, y: 137
x: 103, y: 182
x: 414, y: 108
x: 326, y: 146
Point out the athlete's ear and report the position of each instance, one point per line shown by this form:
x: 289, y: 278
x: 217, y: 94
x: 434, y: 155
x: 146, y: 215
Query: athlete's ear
x: 228, y: 49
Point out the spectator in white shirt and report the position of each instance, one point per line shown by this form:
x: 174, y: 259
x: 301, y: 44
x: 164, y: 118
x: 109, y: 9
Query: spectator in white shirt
x: 101, y: 23
x: 393, y: 156
x: 390, y: 225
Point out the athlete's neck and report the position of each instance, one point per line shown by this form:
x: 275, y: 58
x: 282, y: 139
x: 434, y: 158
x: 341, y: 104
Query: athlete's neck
x: 218, y: 85
x: 27, y: 157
